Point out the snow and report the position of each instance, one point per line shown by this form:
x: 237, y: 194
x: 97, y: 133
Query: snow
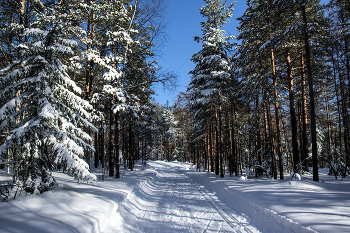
x: 173, y: 197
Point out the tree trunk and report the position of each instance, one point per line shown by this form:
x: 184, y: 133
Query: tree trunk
x: 111, y: 142
x: 278, y: 131
x: 217, y: 144
x: 258, y: 133
x: 97, y: 150
x: 102, y: 145
x: 116, y: 144
x: 266, y: 139
x: 131, y: 157
x: 338, y: 102
x: 271, y: 138
x: 305, y: 142
x: 211, y: 147
x: 21, y: 18
x: 312, y: 98
x: 220, y: 140
x: 345, y: 121
x: 328, y: 127
x: 293, y: 120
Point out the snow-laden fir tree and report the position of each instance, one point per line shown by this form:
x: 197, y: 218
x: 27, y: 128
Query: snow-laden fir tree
x: 213, y: 67
x: 171, y: 133
x: 44, y: 117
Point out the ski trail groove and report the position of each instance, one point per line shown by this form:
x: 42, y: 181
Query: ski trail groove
x: 173, y: 202
x: 223, y: 212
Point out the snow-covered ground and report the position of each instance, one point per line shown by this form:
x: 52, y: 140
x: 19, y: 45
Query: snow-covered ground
x: 173, y: 197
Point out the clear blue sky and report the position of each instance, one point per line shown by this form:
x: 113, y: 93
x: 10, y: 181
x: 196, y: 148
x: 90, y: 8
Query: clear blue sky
x: 184, y: 19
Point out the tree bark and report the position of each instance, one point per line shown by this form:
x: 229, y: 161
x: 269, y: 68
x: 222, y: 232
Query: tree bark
x: 116, y: 144
x: 220, y: 140
x: 296, y: 158
x: 131, y: 157
x: 312, y: 98
x: 111, y: 142
x: 217, y: 144
x: 97, y: 150
x: 278, y: 131
x: 211, y: 147
x: 305, y: 143
x: 258, y: 133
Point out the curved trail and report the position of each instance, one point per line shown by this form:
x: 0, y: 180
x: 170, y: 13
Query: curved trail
x: 173, y: 202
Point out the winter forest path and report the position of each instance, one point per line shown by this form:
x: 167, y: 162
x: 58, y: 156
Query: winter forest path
x: 175, y: 200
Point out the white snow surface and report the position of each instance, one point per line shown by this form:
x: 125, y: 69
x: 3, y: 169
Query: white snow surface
x: 173, y: 197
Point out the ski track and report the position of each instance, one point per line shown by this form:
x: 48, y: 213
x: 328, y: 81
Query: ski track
x: 173, y: 202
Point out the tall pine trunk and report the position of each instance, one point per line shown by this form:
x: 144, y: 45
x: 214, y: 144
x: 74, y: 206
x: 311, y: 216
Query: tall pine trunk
x: 217, y: 143
x: 116, y: 144
x: 220, y: 139
x: 293, y: 120
x: 111, y: 142
x: 312, y: 98
x: 277, y: 117
x: 305, y: 150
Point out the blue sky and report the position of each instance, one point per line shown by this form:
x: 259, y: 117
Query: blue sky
x: 184, y: 19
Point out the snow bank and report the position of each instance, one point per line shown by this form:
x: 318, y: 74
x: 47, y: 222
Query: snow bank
x: 321, y: 206
x: 70, y: 207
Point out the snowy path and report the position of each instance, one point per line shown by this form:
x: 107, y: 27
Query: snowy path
x: 173, y: 202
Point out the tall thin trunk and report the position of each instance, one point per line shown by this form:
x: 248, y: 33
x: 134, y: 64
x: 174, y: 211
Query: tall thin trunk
x: 266, y: 140
x: 211, y: 147
x: 300, y: 122
x: 217, y: 144
x: 220, y: 140
x: 272, y: 143
x: 131, y: 156
x: 116, y: 144
x: 97, y: 150
x: 312, y: 98
x: 102, y: 145
x: 347, y: 161
x: 22, y: 19
x: 111, y: 142
x: 293, y: 121
x: 278, y: 131
x: 305, y: 142
x: 207, y: 151
x: 328, y: 127
x: 230, y: 146
x: 345, y: 122
x: 275, y: 95
x: 124, y: 148
x: 258, y: 133
x: 234, y: 144
x: 338, y: 102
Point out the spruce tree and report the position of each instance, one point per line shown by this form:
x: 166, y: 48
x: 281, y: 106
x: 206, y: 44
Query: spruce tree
x: 46, y: 120
x: 213, y: 66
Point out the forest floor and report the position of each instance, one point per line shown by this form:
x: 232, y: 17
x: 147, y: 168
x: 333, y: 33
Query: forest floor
x: 173, y: 197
